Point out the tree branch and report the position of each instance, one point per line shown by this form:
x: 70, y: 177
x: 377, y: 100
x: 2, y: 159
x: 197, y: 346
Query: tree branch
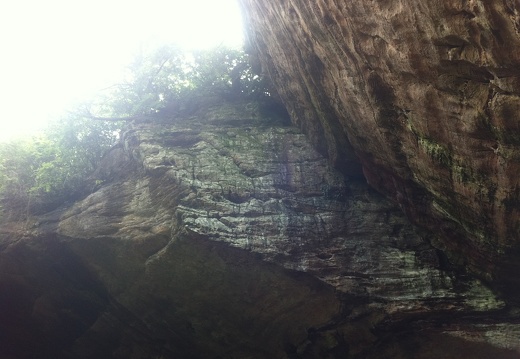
x: 89, y: 115
x: 113, y: 119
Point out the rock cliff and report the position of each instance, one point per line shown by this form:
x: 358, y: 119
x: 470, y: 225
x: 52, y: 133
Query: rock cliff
x: 220, y: 232
x: 426, y: 94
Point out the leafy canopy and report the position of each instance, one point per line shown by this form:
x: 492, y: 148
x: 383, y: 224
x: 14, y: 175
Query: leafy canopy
x: 168, y: 75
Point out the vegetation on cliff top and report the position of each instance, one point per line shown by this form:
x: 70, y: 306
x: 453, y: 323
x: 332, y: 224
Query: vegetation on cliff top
x: 56, y: 165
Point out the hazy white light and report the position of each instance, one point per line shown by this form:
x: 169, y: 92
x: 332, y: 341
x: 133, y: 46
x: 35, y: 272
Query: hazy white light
x: 57, y: 52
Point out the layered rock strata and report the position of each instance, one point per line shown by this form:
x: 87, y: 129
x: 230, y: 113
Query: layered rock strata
x: 223, y: 233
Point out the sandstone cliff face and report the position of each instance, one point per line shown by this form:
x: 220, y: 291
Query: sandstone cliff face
x: 222, y: 233
x: 426, y: 94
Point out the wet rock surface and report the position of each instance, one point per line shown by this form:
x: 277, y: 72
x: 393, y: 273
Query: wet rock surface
x: 224, y: 233
x: 426, y: 94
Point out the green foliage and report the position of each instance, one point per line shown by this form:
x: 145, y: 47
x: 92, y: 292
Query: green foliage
x: 168, y: 75
x: 17, y: 165
x: 44, y: 171
x: 79, y: 143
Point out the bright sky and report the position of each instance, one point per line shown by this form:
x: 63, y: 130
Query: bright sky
x: 57, y: 52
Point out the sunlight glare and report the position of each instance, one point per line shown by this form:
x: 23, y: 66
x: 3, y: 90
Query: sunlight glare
x: 59, y: 52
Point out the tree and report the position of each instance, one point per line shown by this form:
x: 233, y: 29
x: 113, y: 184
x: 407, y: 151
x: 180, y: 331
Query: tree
x: 42, y: 172
x: 166, y: 75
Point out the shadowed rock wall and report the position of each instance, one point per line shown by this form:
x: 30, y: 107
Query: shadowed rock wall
x: 223, y: 234
x: 426, y: 94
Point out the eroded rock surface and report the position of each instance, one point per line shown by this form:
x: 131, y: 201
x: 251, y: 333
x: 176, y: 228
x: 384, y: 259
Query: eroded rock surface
x: 224, y: 234
x: 426, y: 94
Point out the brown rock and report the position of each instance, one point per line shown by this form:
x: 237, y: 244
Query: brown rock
x: 426, y: 95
